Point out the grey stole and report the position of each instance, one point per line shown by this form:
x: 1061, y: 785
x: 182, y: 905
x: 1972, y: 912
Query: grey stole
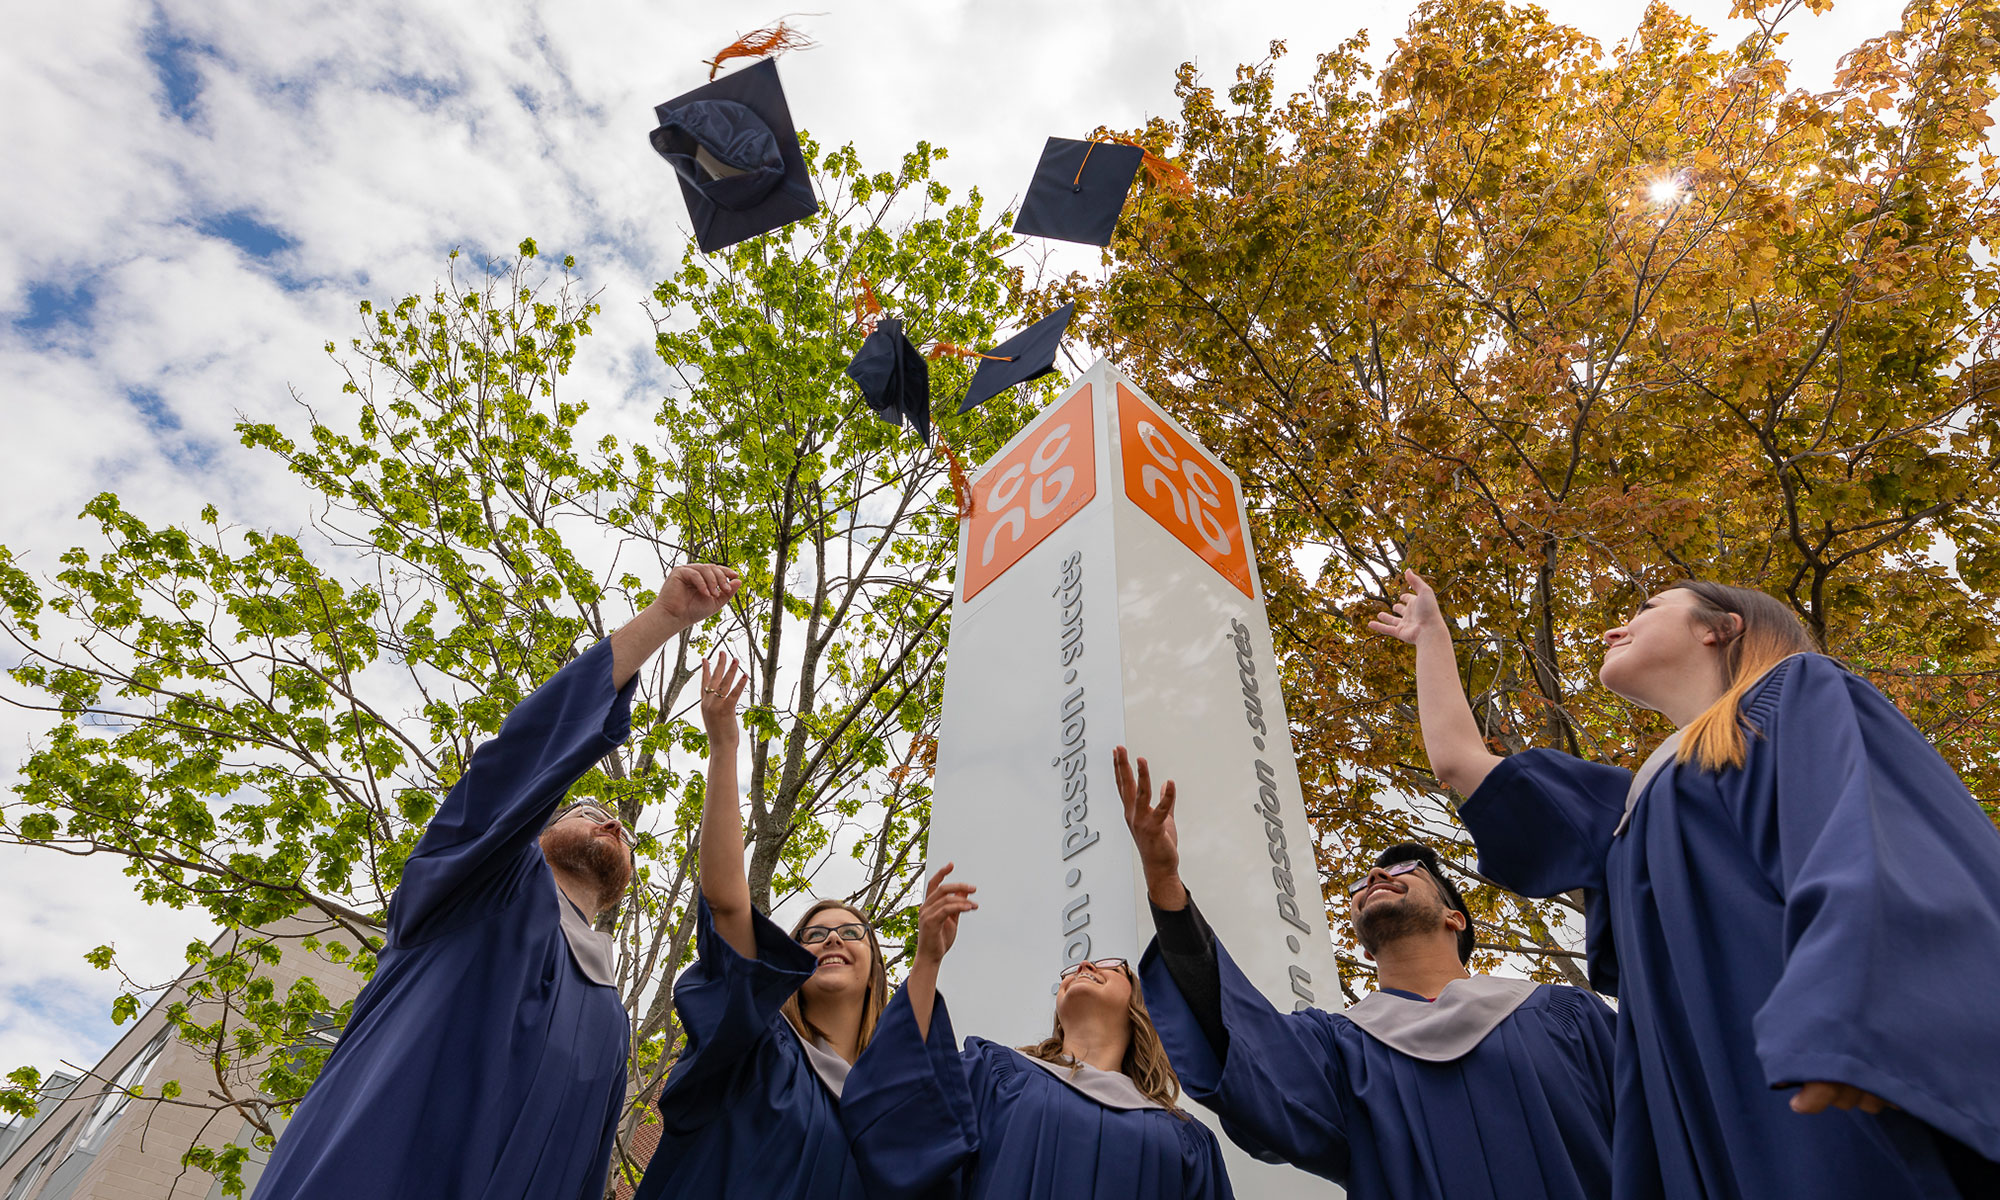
x: 1447, y: 1028
x: 593, y: 952
x: 1655, y: 762
x: 830, y: 1067
x: 1112, y: 1089
x: 1659, y: 759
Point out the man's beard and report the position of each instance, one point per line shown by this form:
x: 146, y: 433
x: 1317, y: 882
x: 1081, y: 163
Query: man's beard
x: 1392, y: 918
x: 582, y: 852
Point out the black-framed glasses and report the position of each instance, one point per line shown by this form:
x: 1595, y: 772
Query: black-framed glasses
x: 813, y: 935
x: 1402, y: 868
x: 1102, y: 964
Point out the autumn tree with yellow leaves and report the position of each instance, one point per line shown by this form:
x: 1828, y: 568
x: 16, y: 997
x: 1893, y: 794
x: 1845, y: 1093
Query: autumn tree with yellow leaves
x: 1557, y: 324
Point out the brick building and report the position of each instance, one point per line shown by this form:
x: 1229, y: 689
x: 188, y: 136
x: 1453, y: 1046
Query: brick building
x: 92, y: 1141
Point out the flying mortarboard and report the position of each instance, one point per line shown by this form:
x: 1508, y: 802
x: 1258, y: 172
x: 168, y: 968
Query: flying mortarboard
x: 733, y: 145
x: 1029, y: 354
x: 893, y: 377
x: 1078, y: 190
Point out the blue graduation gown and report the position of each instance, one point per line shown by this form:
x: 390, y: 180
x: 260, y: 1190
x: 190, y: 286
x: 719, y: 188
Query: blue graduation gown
x: 479, y: 1060
x: 1831, y: 910
x: 1525, y: 1115
x: 742, y: 1113
x: 929, y: 1121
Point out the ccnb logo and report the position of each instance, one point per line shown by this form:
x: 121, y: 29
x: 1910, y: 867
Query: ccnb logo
x: 1027, y: 495
x: 1182, y: 488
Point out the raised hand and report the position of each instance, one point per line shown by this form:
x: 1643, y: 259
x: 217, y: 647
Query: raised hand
x: 721, y: 857
x: 1416, y: 614
x: 697, y: 591
x: 1815, y: 1097
x: 722, y: 686
x: 937, y: 921
x: 1153, y: 832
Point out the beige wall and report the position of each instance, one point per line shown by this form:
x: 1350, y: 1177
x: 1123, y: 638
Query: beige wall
x: 139, y: 1155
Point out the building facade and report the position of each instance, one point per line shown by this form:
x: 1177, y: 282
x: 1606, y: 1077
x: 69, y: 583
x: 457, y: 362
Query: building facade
x: 92, y: 1140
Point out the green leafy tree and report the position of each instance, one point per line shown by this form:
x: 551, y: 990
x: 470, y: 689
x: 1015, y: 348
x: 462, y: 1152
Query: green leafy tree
x: 260, y: 723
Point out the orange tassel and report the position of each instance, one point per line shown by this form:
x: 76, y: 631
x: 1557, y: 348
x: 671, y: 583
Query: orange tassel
x: 1159, y: 170
x: 867, y: 309
x: 761, y: 44
x: 943, y: 348
x: 1167, y: 175
x: 961, y: 483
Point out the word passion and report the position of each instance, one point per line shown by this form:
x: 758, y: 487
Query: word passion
x: 1266, y: 806
x: 1071, y: 759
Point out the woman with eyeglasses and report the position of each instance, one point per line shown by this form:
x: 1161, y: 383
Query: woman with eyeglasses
x: 1794, y: 898
x: 773, y: 1020
x: 1088, y: 1111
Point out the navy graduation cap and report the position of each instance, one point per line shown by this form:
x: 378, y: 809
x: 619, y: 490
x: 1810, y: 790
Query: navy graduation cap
x: 1029, y: 354
x: 737, y: 154
x: 1078, y: 190
x: 893, y: 377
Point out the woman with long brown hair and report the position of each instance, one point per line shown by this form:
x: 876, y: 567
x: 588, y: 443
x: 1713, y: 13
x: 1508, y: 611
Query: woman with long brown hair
x: 1091, y: 1110
x: 1795, y: 900
x: 773, y: 1020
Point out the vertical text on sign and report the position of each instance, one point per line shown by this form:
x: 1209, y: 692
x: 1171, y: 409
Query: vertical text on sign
x: 1181, y: 487
x: 1072, y: 759
x: 1031, y: 491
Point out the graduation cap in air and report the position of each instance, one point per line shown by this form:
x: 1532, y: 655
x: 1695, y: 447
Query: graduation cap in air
x: 733, y: 145
x: 1029, y: 354
x: 1078, y: 190
x: 893, y: 377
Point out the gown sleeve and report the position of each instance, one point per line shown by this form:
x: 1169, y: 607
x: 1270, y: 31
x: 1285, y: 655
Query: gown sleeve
x: 728, y: 1005
x: 1890, y: 874
x: 1186, y: 944
x: 1543, y: 821
x: 1203, y: 1174
x: 512, y: 784
x: 1280, y: 1086
x: 907, y: 1106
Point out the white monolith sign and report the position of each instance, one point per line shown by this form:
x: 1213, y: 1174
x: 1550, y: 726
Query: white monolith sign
x: 1108, y: 594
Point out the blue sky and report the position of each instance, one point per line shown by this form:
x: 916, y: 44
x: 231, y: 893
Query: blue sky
x: 198, y: 193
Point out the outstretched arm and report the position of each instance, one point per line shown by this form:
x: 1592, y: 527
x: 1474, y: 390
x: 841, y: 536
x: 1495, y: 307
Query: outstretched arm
x: 1186, y: 943
x: 691, y: 595
x: 723, y: 883
x: 1458, y: 754
x: 937, y: 929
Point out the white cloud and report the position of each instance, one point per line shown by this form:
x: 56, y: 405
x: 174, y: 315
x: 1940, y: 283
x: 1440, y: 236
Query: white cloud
x: 371, y: 136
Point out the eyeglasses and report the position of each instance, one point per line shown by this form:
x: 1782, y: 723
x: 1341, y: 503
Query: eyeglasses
x: 601, y: 816
x: 1102, y: 964
x: 1402, y: 868
x: 813, y: 935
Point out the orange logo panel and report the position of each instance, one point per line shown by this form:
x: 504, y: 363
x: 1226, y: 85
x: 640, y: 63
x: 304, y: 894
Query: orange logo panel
x: 1027, y: 495
x: 1182, y: 488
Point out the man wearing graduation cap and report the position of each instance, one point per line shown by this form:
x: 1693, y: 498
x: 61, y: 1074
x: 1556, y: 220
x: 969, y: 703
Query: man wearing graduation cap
x: 486, y: 1057
x: 1439, y: 1085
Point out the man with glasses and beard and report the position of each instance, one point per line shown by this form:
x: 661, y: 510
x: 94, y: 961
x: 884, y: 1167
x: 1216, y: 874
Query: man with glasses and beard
x: 1439, y: 1085
x: 486, y: 1056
